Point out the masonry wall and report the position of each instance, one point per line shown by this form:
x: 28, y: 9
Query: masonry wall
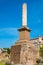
x: 24, y: 35
x: 15, y: 53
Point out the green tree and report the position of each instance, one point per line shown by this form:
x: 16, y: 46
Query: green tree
x: 8, y: 50
x: 41, y: 51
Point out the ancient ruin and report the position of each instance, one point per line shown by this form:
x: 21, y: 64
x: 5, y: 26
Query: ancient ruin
x: 25, y: 50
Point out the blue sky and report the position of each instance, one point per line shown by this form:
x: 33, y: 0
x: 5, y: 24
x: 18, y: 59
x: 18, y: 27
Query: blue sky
x: 11, y: 20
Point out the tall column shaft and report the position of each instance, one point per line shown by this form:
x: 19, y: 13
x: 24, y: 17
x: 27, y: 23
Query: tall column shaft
x: 24, y: 14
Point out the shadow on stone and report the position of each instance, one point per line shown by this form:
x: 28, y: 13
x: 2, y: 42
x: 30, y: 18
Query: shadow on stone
x: 9, y: 63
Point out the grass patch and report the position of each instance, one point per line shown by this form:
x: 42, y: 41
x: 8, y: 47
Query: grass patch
x: 2, y: 63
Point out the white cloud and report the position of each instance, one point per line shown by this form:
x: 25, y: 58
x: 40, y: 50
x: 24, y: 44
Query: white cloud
x: 11, y: 31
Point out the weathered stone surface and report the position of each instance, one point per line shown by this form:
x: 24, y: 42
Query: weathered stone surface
x: 24, y: 51
x: 15, y: 53
x: 18, y: 64
x: 24, y: 33
x: 40, y: 63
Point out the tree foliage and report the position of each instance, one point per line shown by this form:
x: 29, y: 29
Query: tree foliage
x: 8, y: 50
x: 41, y: 51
